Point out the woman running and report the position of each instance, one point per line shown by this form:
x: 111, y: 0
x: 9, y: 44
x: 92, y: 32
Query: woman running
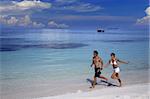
x: 115, y: 64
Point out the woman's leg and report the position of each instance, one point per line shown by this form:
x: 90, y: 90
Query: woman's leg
x: 119, y: 80
x: 113, y: 76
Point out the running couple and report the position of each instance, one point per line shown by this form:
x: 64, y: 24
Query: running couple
x: 98, y: 65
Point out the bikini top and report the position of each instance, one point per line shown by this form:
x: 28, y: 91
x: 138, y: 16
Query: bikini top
x: 114, y: 63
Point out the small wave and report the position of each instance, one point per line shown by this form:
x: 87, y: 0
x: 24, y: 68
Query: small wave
x: 122, y: 41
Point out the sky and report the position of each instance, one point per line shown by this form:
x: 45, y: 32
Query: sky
x: 75, y: 14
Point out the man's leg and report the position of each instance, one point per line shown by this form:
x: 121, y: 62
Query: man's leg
x: 94, y: 82
x: 102, y: 77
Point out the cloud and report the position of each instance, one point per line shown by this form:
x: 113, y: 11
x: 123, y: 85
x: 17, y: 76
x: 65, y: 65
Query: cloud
x: 35, y: 24
x: 53, y: 24
x: 94, y: 18
x: 17, y: 13
x: 74, y: 5
x: 26, y: 21
x: 83, y: 7
x: 146, y: 19
x: 15, y: 6
x: 32, y: 4
x: 147, y: 11
x: 21, y: 21
x: 66, y: 1
x: 12, y: 20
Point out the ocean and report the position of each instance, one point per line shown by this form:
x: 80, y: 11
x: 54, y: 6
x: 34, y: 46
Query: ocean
x: 42, y: 62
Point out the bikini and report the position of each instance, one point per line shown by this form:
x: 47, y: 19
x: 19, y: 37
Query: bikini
x: 114, y: 64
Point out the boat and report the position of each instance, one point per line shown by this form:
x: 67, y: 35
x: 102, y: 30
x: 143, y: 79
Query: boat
x: 100, y: 30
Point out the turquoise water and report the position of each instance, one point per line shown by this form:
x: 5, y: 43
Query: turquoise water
x: 46, y: 57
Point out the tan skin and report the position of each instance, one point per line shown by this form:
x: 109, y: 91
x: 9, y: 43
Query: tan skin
x: 116, y: 75
x: 98, y: 63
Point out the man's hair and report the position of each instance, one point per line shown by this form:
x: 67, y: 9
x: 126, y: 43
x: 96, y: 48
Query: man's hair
x: 112, y: 54
x: 96, y: 52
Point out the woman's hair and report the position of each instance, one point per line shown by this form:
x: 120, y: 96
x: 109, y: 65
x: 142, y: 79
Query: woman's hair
x: 96, y: 52
x: 112, y: 54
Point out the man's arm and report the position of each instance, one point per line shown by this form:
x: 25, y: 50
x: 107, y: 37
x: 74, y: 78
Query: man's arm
x: 106, y: 65
x: 101, y: 62
x: 92, y: 62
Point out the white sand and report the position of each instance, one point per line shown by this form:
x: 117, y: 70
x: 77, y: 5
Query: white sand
x: 139, y: 91
x: 135, y: 86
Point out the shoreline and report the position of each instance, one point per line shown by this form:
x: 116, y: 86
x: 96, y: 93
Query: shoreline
x: 129, y: 78
x: 138, y: 91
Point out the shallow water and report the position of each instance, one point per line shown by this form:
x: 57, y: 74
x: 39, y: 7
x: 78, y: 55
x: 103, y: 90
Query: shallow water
x: 41, y: 59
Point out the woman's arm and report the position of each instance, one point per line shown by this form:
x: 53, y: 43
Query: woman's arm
x: 123, y: 62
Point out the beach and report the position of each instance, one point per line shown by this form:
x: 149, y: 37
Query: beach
x: 134, y: 87
x: 58, y: 49
x: 56, y: 63
x: 139, y: 91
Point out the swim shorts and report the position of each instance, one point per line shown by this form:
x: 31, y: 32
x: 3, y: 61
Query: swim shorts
x: 97, y: 72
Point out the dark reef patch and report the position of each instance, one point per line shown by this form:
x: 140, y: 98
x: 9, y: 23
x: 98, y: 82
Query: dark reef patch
x: 15, y: 47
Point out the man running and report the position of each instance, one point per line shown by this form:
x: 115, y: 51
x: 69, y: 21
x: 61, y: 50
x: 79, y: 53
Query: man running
x: 98, y: 65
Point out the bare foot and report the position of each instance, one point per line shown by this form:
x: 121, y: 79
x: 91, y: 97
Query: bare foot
x: 93, y: 85
x: 120, y: 85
